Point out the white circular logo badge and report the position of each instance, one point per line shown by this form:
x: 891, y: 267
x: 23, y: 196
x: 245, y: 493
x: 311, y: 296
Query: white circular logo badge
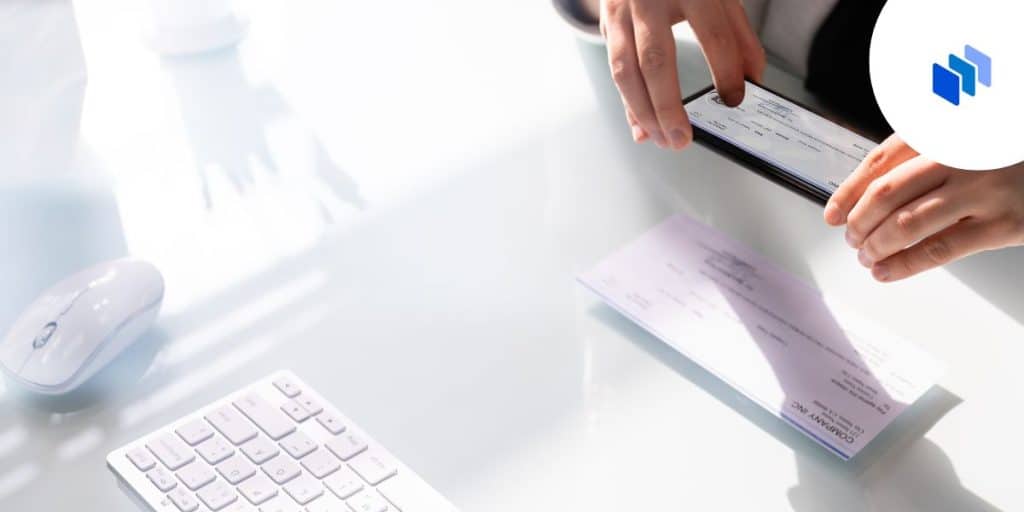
x: 949, y: 77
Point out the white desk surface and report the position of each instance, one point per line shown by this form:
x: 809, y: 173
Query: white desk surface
x: 392, y: 199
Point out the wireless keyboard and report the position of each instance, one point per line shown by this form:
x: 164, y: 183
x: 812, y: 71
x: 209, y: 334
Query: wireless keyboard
x: 275, y: 446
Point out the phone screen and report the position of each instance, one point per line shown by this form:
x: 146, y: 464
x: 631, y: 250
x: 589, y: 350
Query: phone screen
x: 791, y: 139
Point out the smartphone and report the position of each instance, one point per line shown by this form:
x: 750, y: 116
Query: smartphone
x: 779, y: 138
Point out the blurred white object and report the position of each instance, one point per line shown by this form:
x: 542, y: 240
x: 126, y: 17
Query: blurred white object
x: 185, y: 27
x: 42, y: 85
x: 57, y: 209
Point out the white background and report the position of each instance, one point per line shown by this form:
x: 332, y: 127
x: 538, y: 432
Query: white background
x: 984, y: 131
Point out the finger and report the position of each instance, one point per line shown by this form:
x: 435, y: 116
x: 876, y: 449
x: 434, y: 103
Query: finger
x: 908, y: 181
x: 750, y: 47
x: 656, y: 49
x: 919, y: 219
x: 625, y: 68
x: 957, y: 241
x: 715, y: 34
x: 887, y: 155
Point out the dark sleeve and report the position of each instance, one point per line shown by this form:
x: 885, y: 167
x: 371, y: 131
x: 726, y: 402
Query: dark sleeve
x: 837, y: 67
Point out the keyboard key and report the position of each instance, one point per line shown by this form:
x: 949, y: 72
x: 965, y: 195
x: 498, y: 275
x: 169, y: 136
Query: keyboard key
x: 217, y: 495
x: 327, y: 503
x: 215, y: 450
x: 257, y: 489
x: 270, y: 420
x: 238, y: 506
x: 331, y: 422
x: 310, y: 404
x: 195, y: 431
x: 141, y: 458
x: 320, y: 463
x: 170, y: 451
x: 296, y: 411
x: 281, y: 469
x: 298, y: 445
x: 304, y: 489
x: 231, y: 424
x: 280, y: 504
x: 183, y: 499
x: 236, y: 469
x: 346, y: 446
x: 196, y: 475
x: 286, y: 386
x: 373, y: 466
x: 368, y: 501
x: 162, y: 479
x: 343, y: 483
x: 260, y: 450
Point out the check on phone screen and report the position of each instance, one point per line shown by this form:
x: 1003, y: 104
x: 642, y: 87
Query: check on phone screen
x: 780, y: 137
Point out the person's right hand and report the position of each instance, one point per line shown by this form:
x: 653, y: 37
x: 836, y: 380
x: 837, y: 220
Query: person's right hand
x: 642, y: 56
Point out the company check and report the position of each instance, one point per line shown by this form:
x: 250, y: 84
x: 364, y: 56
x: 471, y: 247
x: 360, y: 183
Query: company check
x: 832, y: 374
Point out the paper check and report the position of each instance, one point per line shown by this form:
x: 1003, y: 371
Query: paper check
x: 829, y: 372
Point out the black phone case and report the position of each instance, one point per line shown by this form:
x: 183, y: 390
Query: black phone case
x: 765, y: 169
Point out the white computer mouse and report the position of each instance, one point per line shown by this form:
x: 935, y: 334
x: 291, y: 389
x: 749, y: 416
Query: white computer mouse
x: 77, y: 326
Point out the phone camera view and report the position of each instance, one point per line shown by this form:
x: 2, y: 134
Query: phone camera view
x: 777, y: 131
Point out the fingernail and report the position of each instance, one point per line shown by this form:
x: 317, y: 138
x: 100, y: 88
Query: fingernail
x: 678, y: 138
x: 862, y: 256
x: 851, y: 241
x: 881, y: 272
x: 659, y: 139
x: 832, y: 214
x: 638, y: 133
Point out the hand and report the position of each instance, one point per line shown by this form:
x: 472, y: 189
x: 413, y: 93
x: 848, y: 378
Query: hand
x: 906, y: 214
x: 642, y: 57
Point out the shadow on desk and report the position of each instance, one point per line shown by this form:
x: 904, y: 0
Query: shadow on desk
x: 235, y: 128
x: 994, y: 275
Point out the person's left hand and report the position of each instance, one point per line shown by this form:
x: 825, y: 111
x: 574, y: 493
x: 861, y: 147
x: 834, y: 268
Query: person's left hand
x: 906, y: 214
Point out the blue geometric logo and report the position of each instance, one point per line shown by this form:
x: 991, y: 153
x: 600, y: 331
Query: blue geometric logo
x: 962, y: 75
